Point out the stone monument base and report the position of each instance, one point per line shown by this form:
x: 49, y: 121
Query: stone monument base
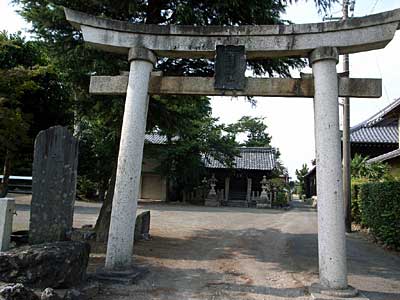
x: 318, y: 292
x: 212, y: 201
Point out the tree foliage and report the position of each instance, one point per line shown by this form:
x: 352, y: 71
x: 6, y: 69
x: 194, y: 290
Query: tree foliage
x: 32, y: 98
x: 254, y: 129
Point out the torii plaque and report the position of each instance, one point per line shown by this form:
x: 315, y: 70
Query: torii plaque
x: 321, y: 43
x: 230, y: 67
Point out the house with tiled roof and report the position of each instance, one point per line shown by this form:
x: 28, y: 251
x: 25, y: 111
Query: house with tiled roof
x: 377, y: 137
x: 241, y: 181
x: 238, y: 181
x: 378, y: 134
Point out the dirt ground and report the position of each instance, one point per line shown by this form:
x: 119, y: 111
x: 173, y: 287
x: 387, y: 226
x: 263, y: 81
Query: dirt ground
x: 237, y: 253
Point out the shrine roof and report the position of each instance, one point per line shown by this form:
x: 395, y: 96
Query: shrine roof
x: 250, y: 158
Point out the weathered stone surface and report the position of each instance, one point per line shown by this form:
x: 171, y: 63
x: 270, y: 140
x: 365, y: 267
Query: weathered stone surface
x: 142, y: 226
x: 90, y: 290
x: 83, y: 234
x: 74, y: 294
x: 56, y: 265
x: 49, y: 294
x: 53, y: 185
x: 7, y: 209
x: 17, y: 292
x: 263, y: 87
x: 266, y: 41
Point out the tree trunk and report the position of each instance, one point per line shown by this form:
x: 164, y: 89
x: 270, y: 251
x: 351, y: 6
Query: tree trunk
x: 6, y: 174
x: 103, y: 221
x: 102, y: 190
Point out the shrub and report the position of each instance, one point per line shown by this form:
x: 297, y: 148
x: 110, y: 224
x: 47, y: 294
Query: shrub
x: 281, y: 199
x: 379, y: 209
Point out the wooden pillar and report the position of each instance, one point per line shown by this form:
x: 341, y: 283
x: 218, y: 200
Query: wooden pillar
x: 227, y: 179
x: 248, y: 196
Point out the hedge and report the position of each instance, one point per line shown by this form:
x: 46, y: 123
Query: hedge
x: 355, y: 200
x: 376, y: 205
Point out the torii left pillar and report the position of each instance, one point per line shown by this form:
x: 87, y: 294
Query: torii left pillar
x: 123, y: 215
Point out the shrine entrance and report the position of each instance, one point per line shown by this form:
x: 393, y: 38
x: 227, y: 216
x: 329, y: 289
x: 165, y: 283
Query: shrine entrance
x: 321, y: 43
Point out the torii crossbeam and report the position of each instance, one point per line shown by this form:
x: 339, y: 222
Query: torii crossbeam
x: 321, y: 43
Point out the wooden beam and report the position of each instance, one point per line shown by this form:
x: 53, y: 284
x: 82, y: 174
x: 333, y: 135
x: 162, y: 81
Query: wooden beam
x: 261, y: 87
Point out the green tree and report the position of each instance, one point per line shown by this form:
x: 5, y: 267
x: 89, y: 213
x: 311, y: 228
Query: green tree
x: 301, y: 173
x: 32, y: 98
x: 254, y: 129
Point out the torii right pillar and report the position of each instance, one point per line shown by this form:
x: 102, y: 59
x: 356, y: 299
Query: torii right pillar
x: 331, y: 226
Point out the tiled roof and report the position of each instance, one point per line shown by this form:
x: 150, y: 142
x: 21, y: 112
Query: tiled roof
x: 251, y: 158
x: 155, y: 138
x: 385, y: 157
x: 380, y: 128
x: 378, y: 134
x: 382, y: 115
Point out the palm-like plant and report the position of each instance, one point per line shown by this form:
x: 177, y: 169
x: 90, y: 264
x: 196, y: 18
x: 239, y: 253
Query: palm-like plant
x: 360, y: 168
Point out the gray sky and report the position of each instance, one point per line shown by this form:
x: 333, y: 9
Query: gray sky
x: 290, y: 121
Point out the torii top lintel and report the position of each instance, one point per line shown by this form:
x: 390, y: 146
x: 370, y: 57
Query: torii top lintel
x: 261, y: 41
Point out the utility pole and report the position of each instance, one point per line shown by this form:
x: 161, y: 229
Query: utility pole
x: 346, y: 135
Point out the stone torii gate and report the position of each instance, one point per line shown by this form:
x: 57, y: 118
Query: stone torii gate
x: 321, y: 43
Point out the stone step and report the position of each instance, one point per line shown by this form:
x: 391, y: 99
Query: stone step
x: 236, y: 203
x: 237, y: 196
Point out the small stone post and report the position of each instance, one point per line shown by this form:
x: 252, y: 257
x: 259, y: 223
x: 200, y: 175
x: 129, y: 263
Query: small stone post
x: 7, y: 210
x: 122, y: 226
x: 331, y: 231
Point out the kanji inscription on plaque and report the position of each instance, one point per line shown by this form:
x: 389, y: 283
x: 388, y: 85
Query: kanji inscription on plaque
x: 230, y: 67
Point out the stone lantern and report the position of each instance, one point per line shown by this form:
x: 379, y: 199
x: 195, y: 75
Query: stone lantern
x: 213, y: 182
x: 264, y: 201
x: 212, y: 199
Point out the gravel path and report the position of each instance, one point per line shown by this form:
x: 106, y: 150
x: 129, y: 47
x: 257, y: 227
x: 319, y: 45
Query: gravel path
x: 240, y: 253
x: 234, y: 253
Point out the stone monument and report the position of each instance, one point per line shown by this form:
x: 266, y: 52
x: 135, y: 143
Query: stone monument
x: 54, y: 174
x: 264, y: 201
x: 212, y: 199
